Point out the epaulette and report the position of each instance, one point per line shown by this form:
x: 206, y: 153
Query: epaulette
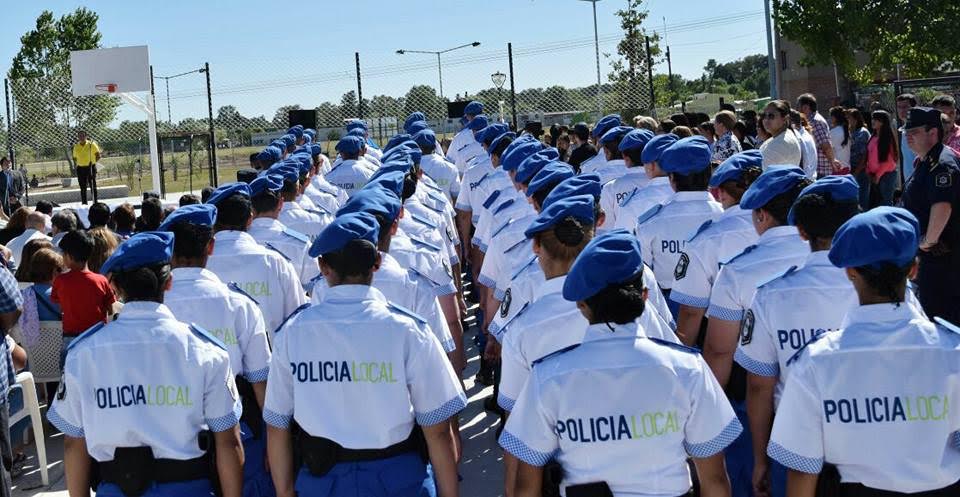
x: 463, y: 147
x: 519, y: 313
x: 423, y: 221
x: 275, y: 249
x: 554, y: 354
x: 946, y: 324
x: 407, y: 312
x: 422, y: 275
x: 706, y: 224
x: 431, y: 207
x: 296, y: 234
x: 521, y: 268
x: 515, y: 245
x: 492, y: 198
x: 206, y: 335
x: 501, y: 228
x: 323, y: 212
x: 796, y: 355
x: 628, y: 198
x: 677, y: 346
x: 653, y: 211
x: 429, y: 186
x: 745, y: 252
x: 236, y: 288
x: 429, y: 245
x: 321, y: 187
x: 86, y: 334
x: 296, y: 311
x: 790, y: 270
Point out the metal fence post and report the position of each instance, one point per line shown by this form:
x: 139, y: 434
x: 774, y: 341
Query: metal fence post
x: 653, y: 95
x: 214, y: 179
x: 513, y: 89
x: 359, y: 88
x: 6, y: 95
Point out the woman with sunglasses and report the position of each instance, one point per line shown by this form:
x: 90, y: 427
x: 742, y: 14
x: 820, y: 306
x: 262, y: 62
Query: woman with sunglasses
x: 783, y: 146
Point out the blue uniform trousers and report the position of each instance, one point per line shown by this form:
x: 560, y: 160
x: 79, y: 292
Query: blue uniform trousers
x: 778, y: 478
x: 739, y: 456
x: 256, y: 479
x: 192, y: 488
x: 405, y: 475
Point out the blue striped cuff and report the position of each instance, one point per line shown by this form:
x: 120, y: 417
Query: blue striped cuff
x: 486, y: 281
x: 515, y: 446
x: 66, y: 428
x: 258, y: 375
x: 505, y: 402
x: 719, y: 442
x: 494, y: 329
x: 475, y: 218
x: 444, y: 290
x: 754, y: 366
x: 444, y: 412
x: 793, y: 461
x: 449, y: 345
x: 955, y: 438
x: 499, y: 294
x: 690, y: 300
x: 715, y: 311
x: 277, y: 420
x: 224, y: 423
x: 454, y: 259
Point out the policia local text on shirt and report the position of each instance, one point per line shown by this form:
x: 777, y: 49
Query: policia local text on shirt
x: 86, y: 154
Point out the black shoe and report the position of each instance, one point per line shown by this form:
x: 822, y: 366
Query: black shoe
x: 484, y: 376
x: 490, y: 404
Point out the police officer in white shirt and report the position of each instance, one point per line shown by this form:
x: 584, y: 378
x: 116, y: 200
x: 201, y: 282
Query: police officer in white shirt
x: 356, y: 125
x: 714, y: 243
x: 603, y: 125
x: 292, y: 214
x: 664, y: 229
x: 197, y: 296
x: 464, y: 136
x: 470, y: 150
x: 614, y: 192
x: 792, y: 309
x: 360, y: 378
x: 149, y: 425
x: 260, y: 272
x: 349, y: 174
x: 657, y: 190
x: 614, y: 166
x: 444, y: 173
x: 575, y: 408
x: 874, y: 397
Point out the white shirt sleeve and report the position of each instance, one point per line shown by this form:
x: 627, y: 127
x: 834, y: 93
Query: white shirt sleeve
x: 712, y: 425
x: 221, y: 401
x: 797, y: 437
x: 693, y: 288
x: 530, y: 431
x: 757, y: 352
x: 278, y: 405
x: 66, y: 411
x: 434, y: 387
x: 724, y: 297
x: 254, y: 346
x: 514, y: 372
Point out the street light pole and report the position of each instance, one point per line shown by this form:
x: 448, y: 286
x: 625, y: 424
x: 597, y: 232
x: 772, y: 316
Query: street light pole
x: 499, y: 79
x: 440, y: 73
x: 166, y: 80
x: 437, y: 53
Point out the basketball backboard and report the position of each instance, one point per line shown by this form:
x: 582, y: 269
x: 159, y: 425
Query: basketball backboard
x: 128, y: 68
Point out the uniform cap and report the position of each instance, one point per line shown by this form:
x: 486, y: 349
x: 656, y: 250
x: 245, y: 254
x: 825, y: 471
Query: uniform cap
x: 839, y: 188
x: 581, y: 184
x: 408, y: 149
x: 228, y: 190
x: 732, y: 168
x: 772, y: 182
x: 303, y: 161
x: 610, y: 258
x: 534, y: 163
x: 263, y: 183
x: 414, y: 117
x: 285, y: 171
x: 390, y: 180
x: 606, y: 124
x: 656, y: 146
x: 362, y: 133
x: 426, y: 138
x: 518, y: 151
x: 307, y: 139
x: 270, y: 155
x: 477, y: 123
x: 496, y: 141
x: 686, y: 156
x: 343, y: 230
x: 473, y: 108
x: 396, y: 140
x: 349, y: 144
x: 289, y: 140
x: 376, y: 200
x: 315, y: 149
x: 615, y: 133
x: 551, y: 174
x: 356, y: 124
x: 416, y: 127
x: 635, y: 139
x: 296, y: 131
x: 881, y: 235
x: 143, y: 249
x: 579, y: 208
x: 200, y: 214
x: 312, y: 133
x: 923, y: 116
x: 491, y: 132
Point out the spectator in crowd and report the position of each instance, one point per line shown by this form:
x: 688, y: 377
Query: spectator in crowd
x: 85, y: 297
x: 882, y: 156
x: 151, y: 215
x: 6, y: 185
x: 104, y: 243
x: 859, y: 137
x: 208, y: 190
x: 18, y: 186
x: 840, y: 140
x: 45, y: 265
x: 807, y: 104
x: 11, y: 304
x: 24, y: 266
x: 16, y: 225
x: 680, y: 120
x: 666, y: 126
x: 947, y: 105
x: 34, y: 228
x: 189, y: 199
x: 727, y: 144
x: 750, y: 120
x: 646, y: 122
x: 740, y: 132
x: 123, y: 220
x: 682, y: 131
x: 63, y: 222
x: 581, y: 149
x: 86, y: 155
x: 762, y: 134
x: 807, y: 143
x: 563, y: 147
x: 98, y: 215
x: 783, y: 146
x: 905, y: 102
x: 708, y: 131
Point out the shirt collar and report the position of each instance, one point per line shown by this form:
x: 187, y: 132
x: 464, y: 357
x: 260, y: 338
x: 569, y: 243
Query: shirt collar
x: 602, y: 331
x: 616, y: 162
x: 691, y: 196
x: 143, y: 309
x: 267, y: 223
x: 553, y: 285
x: 875, y: 313
x: 777, y: 232
x: 193, y: 274
x: 660, y: 181
x: 233, y: 236
x: 353, y: 293
x: 819, y: 258
x: 735, y: 211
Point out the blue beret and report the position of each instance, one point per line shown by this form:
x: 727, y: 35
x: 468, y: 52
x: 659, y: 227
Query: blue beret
x: 270, y: 154
x: 396, y: 140
x: 263, y: 183
x: 296, y: 131
x: 343, y: 230
x: 315, y: 149
x: 312, y: 133
x: 841, y: 188
x: 615, y: 133
x: 611, y: 258
x: 202, y: 214
x: 605, y: 124
x: 356, y: 124
x: 280, y: 144
x: 350, y: 144
x: 881, y: 235
x: 656, y: 146
x: 534, y: 163
x: 390, y: 180
x: 416, y: 127
x: 496, y: 141
x: 579, y: 207
x: 376, y: 201
x: 551, y: 174
x: 686, y: 156
x: 289, y: 140
x: 408, y: 149
x: 414, y: 117
x: 357, y: 132
x: 288, y: 172
x: 307, y: 139
x: 732, y: 168
x: 142, y: 249
x: 772, y: 182
x: 228, y: 190
x: 303, y: 160
x: 582, y: 184
x: 518, y: 151
x: 492, y: 132
x: 477, y: 123
x: 473, y: 108
x: 425, y: 138
x: 635, y: 139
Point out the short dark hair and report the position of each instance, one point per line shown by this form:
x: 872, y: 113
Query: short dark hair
x: 144, y: 283
x: 582, y: 131
x: 779, y: 206
x: 206, y: 192
x: 151, y: 214
x: 189, y: 199
x: 694, y: 182
x: 680, y: 119
x: 807, y: 99
x: 501, y: 146
x: 634, y: 154
x: 620, y: 303
x: 265, y: 201
x: 356, y: 258
x: 886, y: 279
x: 613, y: 147
x: 190, y: 240
x: 908, y: 97
x: 123, y: 218
x: 77, y: 244
x: 820, y: 216
x: 233, y: 213
x: 943, y: 101
x: 44, y: 207
x: 64, y: 220
x: 99, y: 214
x: 667, y: 125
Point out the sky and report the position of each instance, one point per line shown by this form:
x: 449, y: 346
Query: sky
x: 263, y: 56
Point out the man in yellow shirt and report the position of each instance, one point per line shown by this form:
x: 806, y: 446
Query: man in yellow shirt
x: 86, y: 154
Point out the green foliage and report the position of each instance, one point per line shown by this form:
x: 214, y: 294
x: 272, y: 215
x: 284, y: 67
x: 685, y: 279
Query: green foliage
x: 424, y: 98
x: 348, y: 105
x: 281, y: 117
x: 629, y: 75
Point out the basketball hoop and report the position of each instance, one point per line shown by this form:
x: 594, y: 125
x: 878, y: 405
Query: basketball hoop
x: 107, y: 87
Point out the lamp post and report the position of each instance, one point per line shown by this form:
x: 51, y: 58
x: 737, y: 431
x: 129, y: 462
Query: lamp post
x: 438, y: 53
x: 166, y: 81
x: 596, y: 47
x: 499, y: 79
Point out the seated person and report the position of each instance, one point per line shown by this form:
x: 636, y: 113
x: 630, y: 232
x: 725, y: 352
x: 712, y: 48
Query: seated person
x: 85, y: 297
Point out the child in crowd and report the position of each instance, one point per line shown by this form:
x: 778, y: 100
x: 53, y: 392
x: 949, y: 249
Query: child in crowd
x: 85, y: 297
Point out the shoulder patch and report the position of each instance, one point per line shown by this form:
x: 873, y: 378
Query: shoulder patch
x: 680, y: 271
x: 399, y: 309
x: 429, y: 245
x: 799, y: 351
x: 521, y: 268
x: 947, y: 324
x: 943, y: 180
x: 510, y: 321
x: 236, y: 288
x: 423, y: 221
x: 746, y: 327
x: 275, y: 249
x: 626, y: 200
x: 702, y: 227
x: 492, y: 198
x: 86, y: 334
x: 296, y: 235
x: 741, y: 254
x: 555, y: 354
x: 790, y: 270
x: 296, y: 311
x: 676, y: 346
x: 207, y: 336
x: 646, y: 216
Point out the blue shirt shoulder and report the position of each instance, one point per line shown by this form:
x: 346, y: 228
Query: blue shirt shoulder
x: 86, y: 334
x: 746, y: 251
x: 207, y: 336
x: 706, y: 224
x: 646, y: 216
x: 790, y: 270
x: 296, y: 311
x: 296, y: 235
x: 555, y: 354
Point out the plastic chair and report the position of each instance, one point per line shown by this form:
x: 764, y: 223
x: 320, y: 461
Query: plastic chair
x: 31, y: 408
x: 44, y: 355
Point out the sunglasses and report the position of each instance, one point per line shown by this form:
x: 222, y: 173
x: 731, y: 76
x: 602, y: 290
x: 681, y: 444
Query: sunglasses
x: 770, y: 115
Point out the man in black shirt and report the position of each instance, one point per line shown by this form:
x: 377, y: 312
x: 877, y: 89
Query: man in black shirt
x: 581, y: 149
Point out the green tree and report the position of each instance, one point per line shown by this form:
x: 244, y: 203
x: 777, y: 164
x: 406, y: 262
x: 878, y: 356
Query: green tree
x: 555, y: 99
x: 751, y: 72
x: 348, y: 105
x: 423, y: 98
x: 228, y: 117
x: 328, y: 115
x: 629, y: 74
x: 281, y: 117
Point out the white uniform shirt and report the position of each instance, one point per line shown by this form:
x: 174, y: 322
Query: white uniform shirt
x: 714, y: 243
x: 116, y: 392
x: 405, y: 288
x: 320, y: 190
x: 445, y: 174
x: 468, y: 182
x: 310, y: 223
x: 622, y: 409
x: 641, y: 200
x: 615, y: 192
x: 16, y: 245
x: 485, y: 193
x: 291, y: 244
x: 611, y: 170
x: 261, y: 273
x: 469, y: 152
x: 510, y: 204
x: 463, y: 137
x: 426, y: 260
x: 359, y: 371
x: 549, y: 324
x: 877, y: 399
x: 592, y: 164
x: 776, y: 249
x: 791, y: 310
x: 198, y: 296
x: 423, y: 224
x: 663, y: 231
x: 350, y: 175
x: 505, y: 248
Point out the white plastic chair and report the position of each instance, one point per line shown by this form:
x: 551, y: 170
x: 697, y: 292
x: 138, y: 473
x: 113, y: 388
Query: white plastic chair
x: 31, y: 408
x: 44, y: 356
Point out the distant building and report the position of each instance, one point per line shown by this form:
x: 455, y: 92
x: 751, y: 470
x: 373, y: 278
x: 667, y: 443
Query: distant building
x: 793, y: 80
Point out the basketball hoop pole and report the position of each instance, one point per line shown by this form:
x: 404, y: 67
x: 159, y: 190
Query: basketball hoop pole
x: 147, y: 107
